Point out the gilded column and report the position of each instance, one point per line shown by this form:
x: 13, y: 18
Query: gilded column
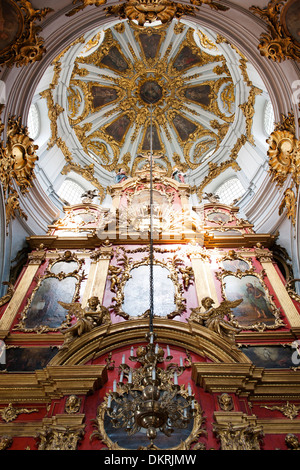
x: 282, y: 294
x: 98, y: 274
x: 35, y: 260
x: 204, y: 281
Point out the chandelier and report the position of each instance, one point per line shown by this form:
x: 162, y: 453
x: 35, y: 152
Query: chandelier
x: 149, y: 397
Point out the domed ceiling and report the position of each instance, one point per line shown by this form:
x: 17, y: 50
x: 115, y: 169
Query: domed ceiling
x: 116, y: 87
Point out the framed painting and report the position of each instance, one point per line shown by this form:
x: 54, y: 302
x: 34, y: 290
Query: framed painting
x: 270, y: 357
x: 43, y: 312
x: 28, y: 359
x: 257, y: 310
x: 11, y: 24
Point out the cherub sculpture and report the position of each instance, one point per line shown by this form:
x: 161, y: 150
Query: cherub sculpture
x: 214, y: 317
x: 88, y: 318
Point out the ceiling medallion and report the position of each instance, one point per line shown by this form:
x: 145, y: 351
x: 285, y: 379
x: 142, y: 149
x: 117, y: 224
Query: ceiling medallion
x: 283, y: 38
x: 149, y: 11
x: 19, y: 41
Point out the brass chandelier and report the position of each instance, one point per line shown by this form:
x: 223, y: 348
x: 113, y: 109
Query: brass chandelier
x: 149, y: 397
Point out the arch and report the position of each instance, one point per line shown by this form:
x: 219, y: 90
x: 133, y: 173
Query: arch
x: 190, y: 336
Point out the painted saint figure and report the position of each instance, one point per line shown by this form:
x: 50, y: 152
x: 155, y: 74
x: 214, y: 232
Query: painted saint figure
x: 178, y: 175
x: 121, y: 176
x: 257, y: 300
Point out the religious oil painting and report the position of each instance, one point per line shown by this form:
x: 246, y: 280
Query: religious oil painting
x: 270, y: 357
x: 11, y: 24
x: 256, y: 306
x: 118, y: 128
x: 186, y: 59
x: 156, y: 144
x: 235, y: 265
x: 44, y: 309
x: 183, y: 126
x: 199, y: 94
x: 150, y: 44
x: 115, y: 60
x: 28, y: 359
x: 102, y: 96
x: 137, y: 292
x: 291, y: 19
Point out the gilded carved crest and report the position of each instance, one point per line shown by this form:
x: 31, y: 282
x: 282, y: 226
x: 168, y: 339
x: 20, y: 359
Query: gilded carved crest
x: 284, y: 160
x: 20, y: 43
x: 17, y: 161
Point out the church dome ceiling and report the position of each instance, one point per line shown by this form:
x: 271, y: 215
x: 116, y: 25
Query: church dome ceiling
x: 115, y: 86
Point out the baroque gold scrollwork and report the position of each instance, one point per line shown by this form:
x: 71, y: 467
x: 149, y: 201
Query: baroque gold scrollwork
x: 278, y: 44
x: 119, y: 275
x: 17, y: 161
x: 26, y: 46
x: 284, y: 162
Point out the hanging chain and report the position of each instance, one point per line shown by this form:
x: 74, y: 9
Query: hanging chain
x: 151, y: 233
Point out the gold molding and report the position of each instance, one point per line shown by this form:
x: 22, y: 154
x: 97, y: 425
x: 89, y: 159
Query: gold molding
x: 144, y: 11
x: 53, y: 382
x: 277, y: 44
x: 27, y: 46
x: 247, y: 380
x: 84, y: 4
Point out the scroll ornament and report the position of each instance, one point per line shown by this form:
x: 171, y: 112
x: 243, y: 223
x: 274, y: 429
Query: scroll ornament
x: 17, y: 161
x: 284, y: 161
x: 27, y: 46
x: 277, y: 44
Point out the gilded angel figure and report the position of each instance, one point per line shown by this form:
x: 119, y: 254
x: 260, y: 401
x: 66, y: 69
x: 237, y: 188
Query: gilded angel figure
x: 215, y: 319
x: 87, y: 318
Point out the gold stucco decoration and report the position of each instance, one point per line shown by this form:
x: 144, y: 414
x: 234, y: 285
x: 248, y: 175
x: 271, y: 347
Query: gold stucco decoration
x: 22, y: 44
x: 281, y: 41
x: 17, y: 161
x: 284, y: 161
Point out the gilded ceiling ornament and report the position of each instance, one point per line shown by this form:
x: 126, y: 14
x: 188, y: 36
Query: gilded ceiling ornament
x: 10, y: 413
x: 148, y: 11
x: 84, y: 4
x: 17, y: 161
x: 282, y: 40
x: 284, y: 162
x: 21, y: 43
